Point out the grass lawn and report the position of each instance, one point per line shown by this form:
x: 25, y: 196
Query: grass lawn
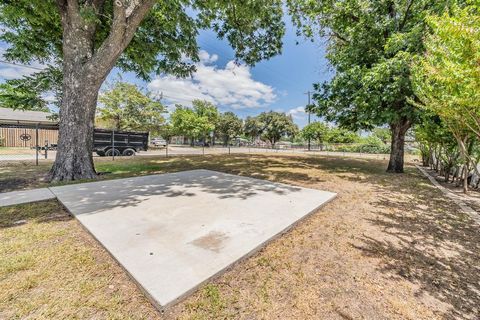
x: 389, y: 247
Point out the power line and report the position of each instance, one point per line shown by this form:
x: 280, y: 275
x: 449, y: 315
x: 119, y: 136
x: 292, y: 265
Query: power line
x: 20, y: 65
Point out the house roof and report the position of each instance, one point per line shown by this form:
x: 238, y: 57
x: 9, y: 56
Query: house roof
x: 11, y: 116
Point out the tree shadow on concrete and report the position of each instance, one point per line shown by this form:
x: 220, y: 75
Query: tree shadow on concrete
x: 100, y: 196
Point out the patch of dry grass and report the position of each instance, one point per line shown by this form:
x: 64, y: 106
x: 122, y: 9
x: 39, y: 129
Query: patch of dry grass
x: 389, y: 247
x: 50, y: 268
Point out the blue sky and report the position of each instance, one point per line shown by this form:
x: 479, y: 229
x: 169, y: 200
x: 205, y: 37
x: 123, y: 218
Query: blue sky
x: 289, y: 75
x: 278, y: 84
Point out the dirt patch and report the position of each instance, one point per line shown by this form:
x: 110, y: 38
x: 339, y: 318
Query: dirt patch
x: 212, y: 241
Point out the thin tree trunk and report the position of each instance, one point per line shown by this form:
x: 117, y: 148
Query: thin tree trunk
x: 462, y: 142
x: 399, y: 129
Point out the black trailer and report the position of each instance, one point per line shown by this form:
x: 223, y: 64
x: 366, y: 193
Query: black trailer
x: 125, y: 143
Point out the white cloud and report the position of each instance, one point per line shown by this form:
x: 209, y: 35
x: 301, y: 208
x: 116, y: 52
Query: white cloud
x: 231, y: 86
x: 298, y: 112
x: 206, y: 58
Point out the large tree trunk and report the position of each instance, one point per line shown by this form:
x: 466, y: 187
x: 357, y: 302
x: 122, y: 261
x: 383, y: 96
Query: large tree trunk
x: 74, y: 154
x: 399, y: 129
x: 85, y: 67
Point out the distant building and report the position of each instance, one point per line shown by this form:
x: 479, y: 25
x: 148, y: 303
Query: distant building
x: 19, y: 128
x: 11, y: 116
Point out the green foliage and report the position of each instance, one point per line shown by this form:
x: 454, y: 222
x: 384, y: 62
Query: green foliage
x: 196, y: 122
x: 252, y: 127
x: 229, y: 126
x: 167, y: 131
x: 372, y: 144
x: 164, y: 42
x: 28, y: 93
x: 340, y: 135
x: 125, y: 107
x: 371, y: 45
x: 207, y: 110
x: 270, y: 126
x: 383, y: 134
x: 447, y: 77
x: 315, y: 131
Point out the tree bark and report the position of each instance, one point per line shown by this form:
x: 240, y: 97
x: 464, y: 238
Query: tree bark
x: 85, y: 67
x: 399, y: 129
x: 465, y: 179
x: 74, y: 154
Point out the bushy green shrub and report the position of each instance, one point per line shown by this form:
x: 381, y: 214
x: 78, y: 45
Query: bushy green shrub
x: 370, y: 144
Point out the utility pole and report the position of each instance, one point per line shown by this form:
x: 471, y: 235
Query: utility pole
x: 308, y: 110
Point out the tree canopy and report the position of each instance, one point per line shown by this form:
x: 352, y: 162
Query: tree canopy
x: 83, y: 40
x: 370, y: 46
x: 316, y: 131
x: 196, y: 122
x: 270, y: 126
x: 229, y: 126
x: 125, y: 107
x: 447, y: 78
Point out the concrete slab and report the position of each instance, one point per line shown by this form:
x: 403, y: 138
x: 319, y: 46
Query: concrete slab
x: 25, y: 196
x: 172, y: 232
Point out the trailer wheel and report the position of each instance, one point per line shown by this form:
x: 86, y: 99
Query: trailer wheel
x: 111, y: 152
x: 128, y: 152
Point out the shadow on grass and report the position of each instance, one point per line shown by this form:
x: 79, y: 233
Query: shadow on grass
x: 430, y: 242
x: 425, y: 239
x: 37, y: 212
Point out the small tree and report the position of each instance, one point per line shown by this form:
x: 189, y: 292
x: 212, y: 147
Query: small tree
x: 185, y: 121
x: 208, y: 113
x: 125, y: 107
x: 340, y: 135
x: 272, y: 126
x: 446, y: 78
x: 316, y: 131
x: 252, y: 128
x: 229, y: 126
x: 167, y: 132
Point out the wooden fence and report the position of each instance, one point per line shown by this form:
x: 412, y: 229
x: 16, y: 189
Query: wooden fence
x: 12, y: 137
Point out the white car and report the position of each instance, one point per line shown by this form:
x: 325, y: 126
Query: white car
x: 158, y: 142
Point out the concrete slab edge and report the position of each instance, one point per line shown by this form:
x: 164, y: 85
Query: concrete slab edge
x: 474, y: 215
x: 154, y: 302
x: 247, y: 255
x: 25, y: 201
x: 163, y: 308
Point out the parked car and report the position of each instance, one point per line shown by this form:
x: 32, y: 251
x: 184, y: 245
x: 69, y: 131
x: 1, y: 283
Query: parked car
x: 125, y: 143
x: 158, y: 142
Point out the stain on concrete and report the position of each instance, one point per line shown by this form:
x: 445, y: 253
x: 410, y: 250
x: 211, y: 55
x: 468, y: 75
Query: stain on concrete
x: 213, y: 241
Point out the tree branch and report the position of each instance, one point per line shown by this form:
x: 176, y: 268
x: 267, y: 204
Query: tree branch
x: 338, y: 36
x: 121, y: 33
x: 405, y: 16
